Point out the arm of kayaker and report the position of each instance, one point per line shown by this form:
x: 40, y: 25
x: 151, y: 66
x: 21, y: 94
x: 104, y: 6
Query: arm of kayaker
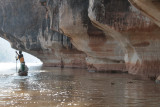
x: 17, y: 57
x: 17, y: 53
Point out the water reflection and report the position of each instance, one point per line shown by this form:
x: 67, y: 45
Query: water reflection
x: 55, y: 87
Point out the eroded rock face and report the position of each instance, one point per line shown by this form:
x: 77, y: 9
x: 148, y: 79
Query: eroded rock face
x: 103, y: 52
x: 132, y: 30
x: 26, y: 25
x: 101, y: 35
x: 150, y: 8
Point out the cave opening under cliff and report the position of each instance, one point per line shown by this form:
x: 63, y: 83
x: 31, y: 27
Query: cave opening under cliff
x: 7, y: 54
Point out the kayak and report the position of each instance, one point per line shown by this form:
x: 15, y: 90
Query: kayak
x: 23, y: 73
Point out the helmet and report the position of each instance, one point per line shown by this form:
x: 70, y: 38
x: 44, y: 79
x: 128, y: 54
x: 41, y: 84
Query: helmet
x: 20, y: 52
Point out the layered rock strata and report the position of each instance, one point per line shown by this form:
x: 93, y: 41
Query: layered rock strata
x: 103, y: 52
x: 101, y: 35
x: 137, y: 35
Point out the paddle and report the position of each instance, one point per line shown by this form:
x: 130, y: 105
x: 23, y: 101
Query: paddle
x: 16, y: 61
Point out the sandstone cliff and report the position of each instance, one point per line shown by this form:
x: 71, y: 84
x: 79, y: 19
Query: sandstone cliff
x: 102, y: 35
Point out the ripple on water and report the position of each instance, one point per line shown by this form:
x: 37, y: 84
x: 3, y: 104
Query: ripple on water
x: 54, y: 87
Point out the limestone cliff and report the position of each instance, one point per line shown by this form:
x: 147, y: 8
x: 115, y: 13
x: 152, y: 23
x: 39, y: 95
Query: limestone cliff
x: 26, y: 25
x: 100, y: 35
x: 136, y: 33
x: 150, y: 8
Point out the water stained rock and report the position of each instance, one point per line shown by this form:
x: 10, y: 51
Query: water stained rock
x: 102, y: 35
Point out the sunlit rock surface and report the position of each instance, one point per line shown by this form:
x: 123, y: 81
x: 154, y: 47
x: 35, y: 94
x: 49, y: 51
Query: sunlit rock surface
x: 101, y: 35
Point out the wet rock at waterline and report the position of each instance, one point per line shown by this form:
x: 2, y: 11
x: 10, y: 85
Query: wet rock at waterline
x: 90, y: 34
x: 158, y: 80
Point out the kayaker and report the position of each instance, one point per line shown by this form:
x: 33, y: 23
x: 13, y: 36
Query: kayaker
x: 21, y: 59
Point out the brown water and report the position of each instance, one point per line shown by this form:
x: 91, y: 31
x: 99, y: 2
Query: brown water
x: 55, y: 87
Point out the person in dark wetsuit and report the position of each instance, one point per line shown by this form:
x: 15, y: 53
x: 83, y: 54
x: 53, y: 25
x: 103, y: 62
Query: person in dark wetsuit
x: 21, y: 59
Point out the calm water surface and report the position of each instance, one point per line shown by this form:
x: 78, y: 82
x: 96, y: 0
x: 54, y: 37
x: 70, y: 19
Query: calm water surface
x: 55, y: 87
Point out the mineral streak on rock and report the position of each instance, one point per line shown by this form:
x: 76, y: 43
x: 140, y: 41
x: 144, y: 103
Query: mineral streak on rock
x: 101, y: 50
x: 28, y: 27
x: 150, y: 8
x: 101, y: 35
x: 132, y: 30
